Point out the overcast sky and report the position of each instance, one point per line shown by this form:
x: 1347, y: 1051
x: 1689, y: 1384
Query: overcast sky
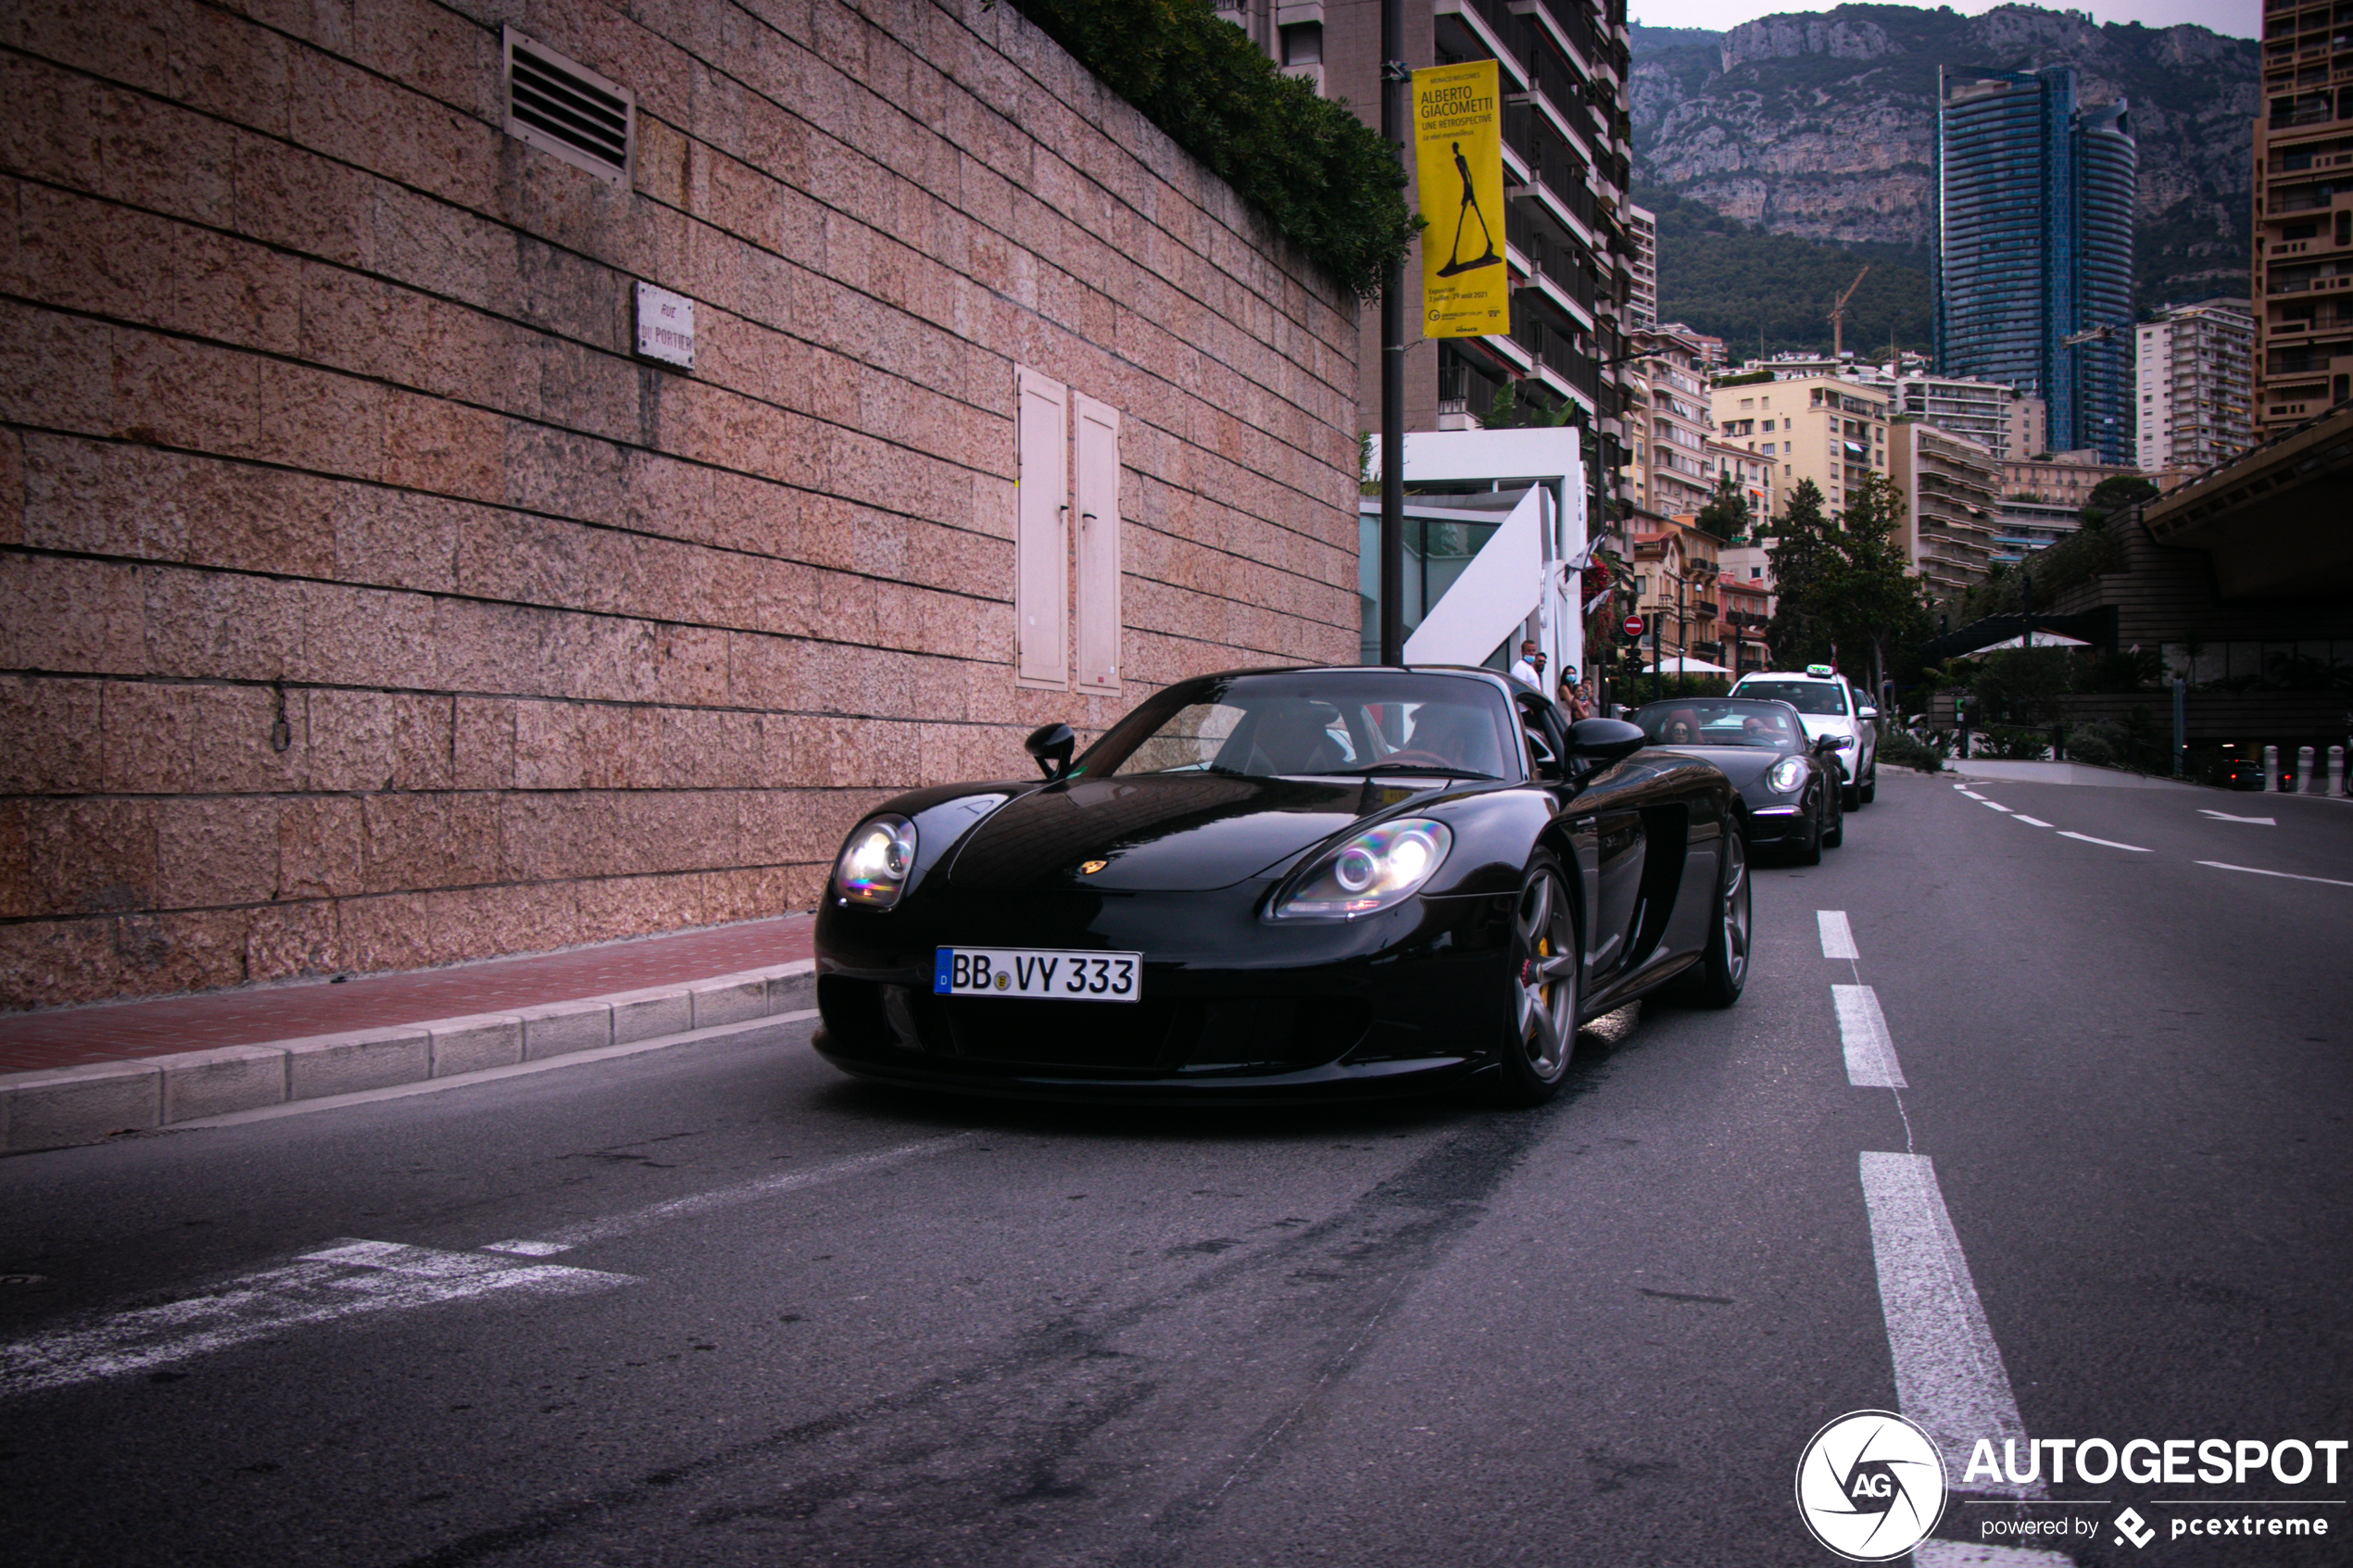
x: 2241, y: 18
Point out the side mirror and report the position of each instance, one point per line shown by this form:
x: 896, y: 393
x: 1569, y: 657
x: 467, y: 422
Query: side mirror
x: 1824, y: 745
x: 1605, y: 740
x: 1866, y: 712
x: 1052, y: 744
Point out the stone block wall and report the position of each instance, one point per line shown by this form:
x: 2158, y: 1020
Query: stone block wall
x: 365, y: 602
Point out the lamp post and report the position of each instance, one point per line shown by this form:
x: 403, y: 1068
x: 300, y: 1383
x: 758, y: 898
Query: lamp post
x: 1392, y: 359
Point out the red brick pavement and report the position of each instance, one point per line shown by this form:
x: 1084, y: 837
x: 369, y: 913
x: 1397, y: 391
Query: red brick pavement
x: 114, y: 1031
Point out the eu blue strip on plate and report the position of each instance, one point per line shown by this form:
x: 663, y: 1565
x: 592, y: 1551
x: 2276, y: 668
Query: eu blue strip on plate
x: 942, y: 965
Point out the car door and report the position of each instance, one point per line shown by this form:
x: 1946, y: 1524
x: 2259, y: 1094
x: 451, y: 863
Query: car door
x: 1605, y: 831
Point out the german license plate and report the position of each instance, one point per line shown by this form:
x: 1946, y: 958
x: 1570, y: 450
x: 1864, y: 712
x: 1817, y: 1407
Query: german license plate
x: 1027, y: 972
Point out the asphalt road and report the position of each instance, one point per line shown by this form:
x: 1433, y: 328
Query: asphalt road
x: 794, y: 1320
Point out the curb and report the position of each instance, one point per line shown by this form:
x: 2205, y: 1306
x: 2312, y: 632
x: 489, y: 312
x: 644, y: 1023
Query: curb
x: 59, y: 1106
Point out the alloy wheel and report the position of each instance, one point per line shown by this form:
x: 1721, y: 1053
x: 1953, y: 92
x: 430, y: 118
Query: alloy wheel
x: 1545, y: 974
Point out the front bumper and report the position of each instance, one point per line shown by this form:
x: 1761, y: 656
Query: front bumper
x: 1233, y: 1007
x: 1781, y: 822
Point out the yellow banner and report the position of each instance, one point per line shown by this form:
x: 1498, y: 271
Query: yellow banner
x: 1458, y: 154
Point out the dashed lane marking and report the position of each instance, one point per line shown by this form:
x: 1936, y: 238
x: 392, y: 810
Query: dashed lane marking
x: 1862, y: 1030
x: 1949, y: 1376
x: 1995, y: 803
x: 2291, y: 877
x: 348, y: 1279
x: 2105, y: 843
x: 1838, y: 938
x: 2226, y: 817
x: 2030, y: 822
x: 1935, y: 1553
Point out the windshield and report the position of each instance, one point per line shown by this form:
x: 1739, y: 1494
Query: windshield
x: 1806, y: 696
x: 1721, y: 720
x: 1314, y: 722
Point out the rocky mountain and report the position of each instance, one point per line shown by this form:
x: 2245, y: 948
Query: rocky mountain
x: 1823, y: 124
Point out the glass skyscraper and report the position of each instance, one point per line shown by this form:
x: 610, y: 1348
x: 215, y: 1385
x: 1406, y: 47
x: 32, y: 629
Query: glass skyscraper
x: 2032, y: 244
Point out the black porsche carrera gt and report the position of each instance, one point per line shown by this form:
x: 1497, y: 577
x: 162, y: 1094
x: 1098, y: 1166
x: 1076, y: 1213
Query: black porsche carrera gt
x: 1280, y: 883
x: 1790, y: 784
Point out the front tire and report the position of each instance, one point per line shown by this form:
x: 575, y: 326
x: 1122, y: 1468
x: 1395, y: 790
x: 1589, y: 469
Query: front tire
x: 1834, y: 832
x: 1543, y: 987
x: 1870, y: 785
x: 1809, y: 852
x: 1724, y: 970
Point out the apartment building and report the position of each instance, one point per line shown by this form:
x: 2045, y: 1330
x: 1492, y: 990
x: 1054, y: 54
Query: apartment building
x: 2005, y: 422
x: 1827, y: 429
x: 1679, y: 473
x: 1564, y: 68
x: 1952, y: 488
x: 2193, y: 377
x: 1676, y: 571
x: 2065, y: 478
x: 2032, y: 245
x: 2303, y: 266
x: 1642, y: 299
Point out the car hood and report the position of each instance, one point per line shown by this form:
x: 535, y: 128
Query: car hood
x: 1160, y: 833
x: 1819, y: 724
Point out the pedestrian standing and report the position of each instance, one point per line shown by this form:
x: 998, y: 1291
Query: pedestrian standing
x: 1575, y: 700
x: 1529, y: 669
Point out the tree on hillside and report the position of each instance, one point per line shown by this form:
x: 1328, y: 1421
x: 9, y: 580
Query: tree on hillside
x: 1726, y: 514
x: 1800, y: 555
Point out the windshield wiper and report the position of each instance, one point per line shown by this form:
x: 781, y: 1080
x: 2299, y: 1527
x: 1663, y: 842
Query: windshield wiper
x: 1431, y: 768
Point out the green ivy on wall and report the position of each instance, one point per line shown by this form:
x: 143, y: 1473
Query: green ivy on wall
x: 1330, y: 183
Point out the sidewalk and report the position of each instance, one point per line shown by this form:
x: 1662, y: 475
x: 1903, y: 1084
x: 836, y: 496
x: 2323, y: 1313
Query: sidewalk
x: 77, y: 1075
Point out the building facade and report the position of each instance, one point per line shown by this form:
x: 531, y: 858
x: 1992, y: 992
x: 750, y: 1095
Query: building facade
x: 1825, y: 428
x: 388, y: 579
x: 1678, y: 474
x: 2031, y: 246
x: 1676, y: 568
x: 2005, y: 422
x: 1567, y: 150
x: 1952, y: 488
x: 2192, y: 371
x: 2303, y: 264
x: 1642, y: 293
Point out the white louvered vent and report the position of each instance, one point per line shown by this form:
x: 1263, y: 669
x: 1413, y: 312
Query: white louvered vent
x: 562, y: 106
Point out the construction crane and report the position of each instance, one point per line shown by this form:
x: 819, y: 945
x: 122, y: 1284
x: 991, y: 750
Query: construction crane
x: 1838, y: 318
x: 2090, y: 334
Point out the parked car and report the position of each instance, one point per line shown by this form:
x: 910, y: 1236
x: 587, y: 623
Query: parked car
x: 1789, y: 783
x: 1830, y: 707
x: 1284, y: 882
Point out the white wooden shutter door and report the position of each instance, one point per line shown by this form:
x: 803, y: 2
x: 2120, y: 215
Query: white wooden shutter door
x: 1042, y: 547
x: 1099, y: 619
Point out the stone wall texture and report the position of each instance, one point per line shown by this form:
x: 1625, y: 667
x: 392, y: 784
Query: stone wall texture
x: 364, y: 602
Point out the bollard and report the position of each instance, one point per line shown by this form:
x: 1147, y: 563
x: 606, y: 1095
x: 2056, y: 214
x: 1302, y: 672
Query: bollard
x: 2336, y: 770
x: 2271, y: 770
x: 2304, y: 783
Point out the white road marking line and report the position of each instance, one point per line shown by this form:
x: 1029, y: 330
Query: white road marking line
x: 527, y: 1248
x: 2030, y: 822
x: 614, y: 1225
x: 1995, y: 803
x: 344, y: 1280
x: 490, y: 1074
x: 2292, y: 876
x: 2226, y: 817
x: 1933, y: 1553
x: 2106, y: 843
x: 1949, y: 1376
x: 1970, y: 793
x: 1862, y: 1030
x: 1838, y: 938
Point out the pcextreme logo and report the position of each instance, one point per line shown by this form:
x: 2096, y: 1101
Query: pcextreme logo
x: 1871, y: 1485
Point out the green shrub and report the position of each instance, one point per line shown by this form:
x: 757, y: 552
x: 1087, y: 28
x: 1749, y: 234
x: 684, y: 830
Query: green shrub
x: 1330, y: 182
x: 1907, y: 750
x: 2101, y: 743
x: 2011, y: 744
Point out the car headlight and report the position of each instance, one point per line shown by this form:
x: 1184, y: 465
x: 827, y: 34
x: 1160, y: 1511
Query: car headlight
x: 1378, y: 868
x: 1787, y: 775
x: 874, y: 862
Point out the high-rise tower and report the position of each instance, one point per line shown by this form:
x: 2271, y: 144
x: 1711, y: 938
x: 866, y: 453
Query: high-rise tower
x: 2034, y: 245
